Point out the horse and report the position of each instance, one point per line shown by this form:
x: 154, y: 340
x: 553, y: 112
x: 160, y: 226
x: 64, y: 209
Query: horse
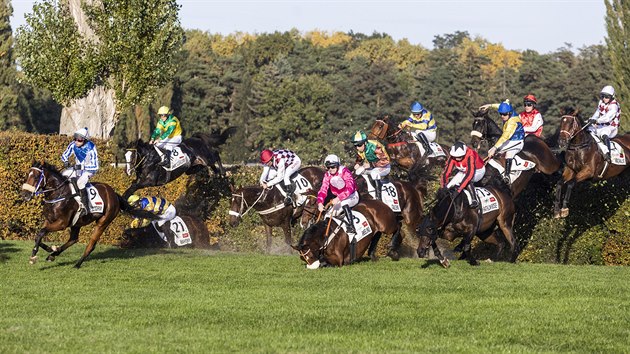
x: 583, y: 161
x: 148, y: 237
x: 402, y: 147
x: 452, y: 216
x: 60, y: 208
x: 142, y: 159
x: 534, y: 149
x: 327, y: 243
x: 269, y: 203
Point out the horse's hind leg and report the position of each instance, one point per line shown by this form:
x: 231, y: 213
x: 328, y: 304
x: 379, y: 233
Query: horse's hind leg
x: 74, y: 237
x: 269, y: 233
x: 506, y: 224
x: 96, y: 234
x: 372, y: 247
x: 467, y: 252
x: 394, y: 246
x: 567, y: 196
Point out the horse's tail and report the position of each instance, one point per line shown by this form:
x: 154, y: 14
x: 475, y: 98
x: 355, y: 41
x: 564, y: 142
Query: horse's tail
x: 126, y: 207
x: 216, y: 139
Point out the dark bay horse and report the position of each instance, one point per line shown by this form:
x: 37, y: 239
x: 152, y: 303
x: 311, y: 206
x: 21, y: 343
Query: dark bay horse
x: 401, y: 145
x: 147, y: 237
x: 60, y: 208
x: 451, y: 217
x: 269, y: 203
x: 142, y: 158
x: 326, y: 242
x: 484, y: 129
x: 583, y: 161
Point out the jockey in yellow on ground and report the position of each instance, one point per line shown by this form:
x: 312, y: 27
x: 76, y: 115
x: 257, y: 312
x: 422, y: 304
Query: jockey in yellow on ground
x: 164, y: 210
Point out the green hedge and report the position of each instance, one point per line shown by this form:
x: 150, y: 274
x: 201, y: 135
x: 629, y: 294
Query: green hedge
x: 595, y: 232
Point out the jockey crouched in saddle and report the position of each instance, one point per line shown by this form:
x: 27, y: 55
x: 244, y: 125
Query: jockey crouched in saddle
x: 470, y: 168
x: 605, y: 122
x: 372, y: 159
x: 511, y: 141
x: 164, y: 211
x: 532, y: 119
x: 422, y: 121
x: 86, y: 165
x: 342, y: 185
x: 279, y: 166
x: 167, y: 135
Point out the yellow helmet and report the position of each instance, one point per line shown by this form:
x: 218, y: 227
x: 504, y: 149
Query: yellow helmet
x: 133, y: 199
x: 163, y: 110
x: 137, y: 223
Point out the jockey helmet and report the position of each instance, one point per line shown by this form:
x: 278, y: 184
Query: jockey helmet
x: 133, y: 199
x: 266, y: 156
x: 332, y: 161
x: 505, y: 107
x: 530, y: 98
x: 458, y: 149
x: 82, y: 133
x: 608, y: 90
x: 163, y: 110
x: 359, y: 138
x: 416, y: 107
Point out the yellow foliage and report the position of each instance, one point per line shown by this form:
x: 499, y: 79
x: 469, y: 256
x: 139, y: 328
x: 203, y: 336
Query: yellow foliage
x: 402, y: 53
x: 326, y: 39
x: 227, y: 46
x: 498, y: 55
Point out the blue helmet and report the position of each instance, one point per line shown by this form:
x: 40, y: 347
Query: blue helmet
x: 416, y: 107
x: 505, y: 108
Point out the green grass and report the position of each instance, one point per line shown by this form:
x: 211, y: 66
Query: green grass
x: 201, y: 301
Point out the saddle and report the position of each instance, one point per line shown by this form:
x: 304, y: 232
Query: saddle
x: 177, y: 159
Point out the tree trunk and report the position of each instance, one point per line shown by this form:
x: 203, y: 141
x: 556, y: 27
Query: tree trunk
x: 96, y: 111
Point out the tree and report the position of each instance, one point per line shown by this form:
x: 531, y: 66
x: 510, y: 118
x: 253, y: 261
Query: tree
x: 9, y: 96
x: 618, y: 28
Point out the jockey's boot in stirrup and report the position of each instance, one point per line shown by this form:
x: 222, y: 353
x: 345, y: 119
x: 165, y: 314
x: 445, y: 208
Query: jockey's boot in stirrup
x: 606, y: 141
x: 508, y: 169
x: 289, y: 191
x: 78, y: 196
x: 475, y: 202
x: 348, y: 212
x: 425, y: 143
x: 84, y: 200
x: 166, y: 158
x: 379, y: 189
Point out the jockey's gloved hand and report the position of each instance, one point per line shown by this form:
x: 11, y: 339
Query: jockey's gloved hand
x: 66, y: 164
x: 592, y: 121
x: 77, y: 167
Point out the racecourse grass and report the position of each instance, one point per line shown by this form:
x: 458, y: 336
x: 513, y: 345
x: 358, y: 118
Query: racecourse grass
x: 205, y: 301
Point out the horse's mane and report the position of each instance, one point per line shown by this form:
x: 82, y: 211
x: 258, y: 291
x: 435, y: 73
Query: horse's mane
x: 50, y: 168
x: 571, y: 111
x: 497, y: 182
x: 317, y: 228
x: 215, y: 138
x: 419, y: 172
x: 442, y: 193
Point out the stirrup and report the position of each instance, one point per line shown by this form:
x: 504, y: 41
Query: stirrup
x: 474, y: 204
x: 507, y: 179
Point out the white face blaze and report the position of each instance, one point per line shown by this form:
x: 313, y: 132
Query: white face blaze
x: 313, y: 265
x: 128, y: 160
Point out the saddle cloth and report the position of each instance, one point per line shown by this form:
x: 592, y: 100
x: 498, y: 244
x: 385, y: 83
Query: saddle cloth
x: 96, y: 205
x: 178, y: 159
x: 489, y: 201
x: 519, y: 164
x: 361, y: 225
x: 302, y: 186
x: 617, y: 155
x: 435, y: 147
x: 389, y: 194
x: 180, y: 230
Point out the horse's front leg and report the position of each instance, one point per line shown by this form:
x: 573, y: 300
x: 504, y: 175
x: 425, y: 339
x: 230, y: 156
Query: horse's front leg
x: 436, y: 251
x: 38, y: 243
x: 557, y: 202
x: 269, y: 233
x: 567, y: 196
x: 394, y: 246
x: 286, y: 228
x: 467, y: 252
x: 74, y: 237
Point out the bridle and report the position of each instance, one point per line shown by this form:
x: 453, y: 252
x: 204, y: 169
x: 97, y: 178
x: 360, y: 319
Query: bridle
x: 136, y: 162
x: 575, y: 125
x: 478, y: 134
x: 42, y: 182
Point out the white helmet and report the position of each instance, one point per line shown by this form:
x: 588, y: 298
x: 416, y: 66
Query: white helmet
x: 609, y: 90
x: 332, y: 161
x: 82, y: 133
x: 458, y: 149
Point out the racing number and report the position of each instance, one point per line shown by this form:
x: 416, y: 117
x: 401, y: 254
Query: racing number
x: 92, y: 192
x: 303, y: 182
x: 179, y: 227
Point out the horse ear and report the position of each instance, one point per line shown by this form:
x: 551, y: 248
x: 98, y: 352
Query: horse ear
x: 577, y: 112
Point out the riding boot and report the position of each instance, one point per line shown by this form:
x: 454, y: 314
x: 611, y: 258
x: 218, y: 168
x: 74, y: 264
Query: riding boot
x: 508, y: 168
x: 166, y: 158
x: 78, y: 196
x: 475, y: 201
x: 379, y: 189
x: 350, y: 220
x: 353, y: 249
x: 425, y: 143
x: 289, y: 191
x: 84, y: 200
x: 606, y: 141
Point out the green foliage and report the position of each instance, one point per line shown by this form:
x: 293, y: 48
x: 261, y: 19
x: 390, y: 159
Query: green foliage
x: 618, y: 40
x: 9, y: 90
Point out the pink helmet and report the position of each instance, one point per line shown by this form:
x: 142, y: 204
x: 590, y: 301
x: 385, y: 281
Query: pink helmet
x: 266, y: 156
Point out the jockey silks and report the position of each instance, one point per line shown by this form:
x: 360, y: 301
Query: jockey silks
x: 85, y: 155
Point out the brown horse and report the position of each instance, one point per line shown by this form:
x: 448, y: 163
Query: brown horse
x: 583, y: 159
x: 327, y: 243
x: 484, y: 129
x: 451, y: 217
x: 269, y: 203
x: 60, y: 208
x: 401, y: 145
x: 148, y: 237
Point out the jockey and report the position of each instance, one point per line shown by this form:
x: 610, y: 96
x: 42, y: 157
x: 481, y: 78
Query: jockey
x: 422, y: 121
x: 164, y: 210
x: 532, y: 119
x: 605, y: 122
x: 86, y: 165
x: 279, y: 166
x: 511, y: 141
x: 167, y: 135
x: 371, y: 159
x: 341, y: 183
x: 470, y: 168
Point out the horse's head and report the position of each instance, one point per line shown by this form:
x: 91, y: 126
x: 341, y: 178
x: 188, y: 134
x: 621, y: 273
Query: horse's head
x: 243, y: 200
x: 311, y: 244
x: 443, y: 212
x: 570, y: 126
x: 139, y: 155
x: 425, y: 233
x: 38, y: 176
x: 378, y: 130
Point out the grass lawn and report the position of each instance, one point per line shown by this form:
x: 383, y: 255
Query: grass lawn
x: 202, y: 301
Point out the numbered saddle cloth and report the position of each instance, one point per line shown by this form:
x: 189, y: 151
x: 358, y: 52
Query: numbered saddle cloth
x: 302, y: 186
x: 361, y: 225
x: 489, y: 201
x: 519, y: 165
x: 96, y: 202
x: 180, y: 231
x: 178, y: 159
x: 389, y: 194
x: 436, y: 149
x: 617, y: 155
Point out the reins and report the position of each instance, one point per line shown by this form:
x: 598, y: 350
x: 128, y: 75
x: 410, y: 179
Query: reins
x: 138, y: 162
x: 575, y: 123
x: 244, y: 203
x: 42, y: 178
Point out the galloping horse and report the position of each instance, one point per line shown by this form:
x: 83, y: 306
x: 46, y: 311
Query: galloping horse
x: 142, y: 158
x: 327, y: 243
x: 60, y: 208
x: 453, y: 217
x: 534, y: 149
x: 269, y: 203
x: 583, y: 160
x: 401, y: 145
x: 147, y: 237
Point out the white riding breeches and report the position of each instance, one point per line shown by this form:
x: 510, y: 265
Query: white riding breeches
x: 511, y: 148
x: 378, y: 172
x: 83, y: 179
x: 169, y: 143
x: 352, y: 200
x: 602, y: 130
x: 168, y: 215
x: 429, y: 134
x: 459, y: 177
x: 269, y: 174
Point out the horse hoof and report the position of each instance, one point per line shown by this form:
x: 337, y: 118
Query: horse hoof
x: 50, y: 258
x: 32, y: 260
x: 54, y: 248
x: 556, y: 215
x: 393, y: 255
x: 445, y: 263
x: 564, y: 212
x: 374, y: 258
